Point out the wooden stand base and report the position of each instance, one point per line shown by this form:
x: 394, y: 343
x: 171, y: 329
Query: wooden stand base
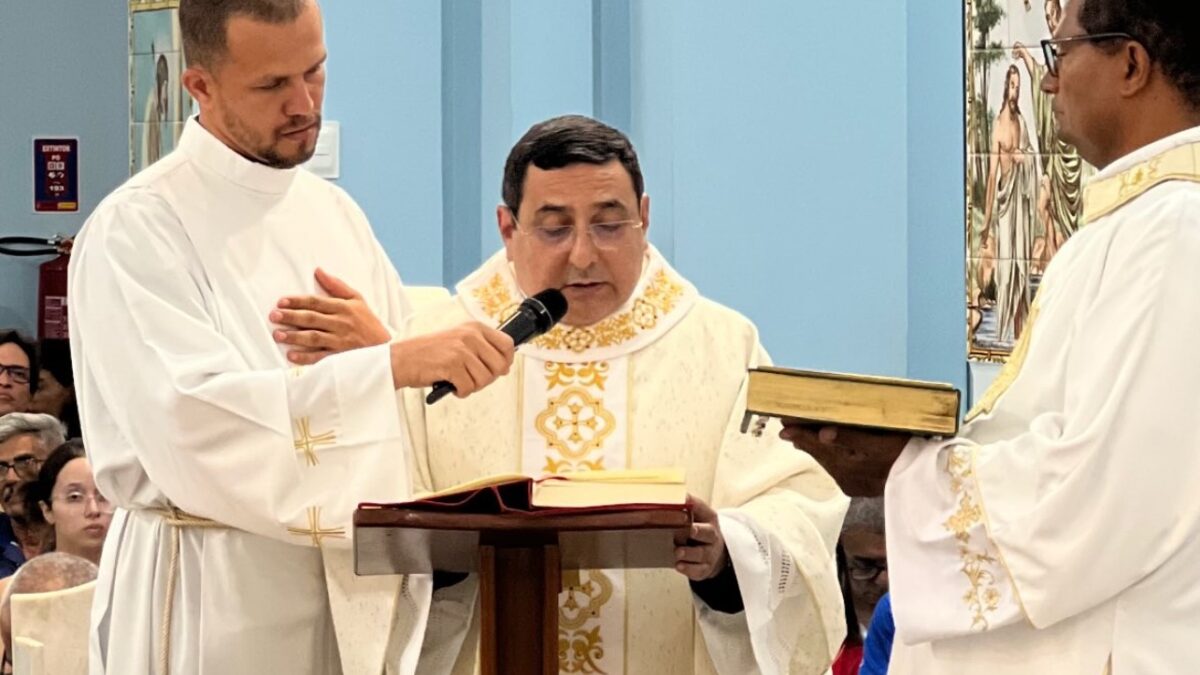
x: 519, y: 584
x: 519, y: 558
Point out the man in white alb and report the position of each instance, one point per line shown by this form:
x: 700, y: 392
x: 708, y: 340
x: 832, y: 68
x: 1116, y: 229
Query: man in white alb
x: 237, y: 472
x: 1060, y: 531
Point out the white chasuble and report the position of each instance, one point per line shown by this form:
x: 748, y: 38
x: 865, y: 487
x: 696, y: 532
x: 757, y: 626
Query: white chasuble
x: 578, y: 427
x: 236, y: 474
x: 1060, y: 533
x: 659, y: 383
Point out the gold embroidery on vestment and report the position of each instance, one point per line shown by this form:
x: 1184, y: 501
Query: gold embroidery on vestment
x: 306, y: 442
x: 314, y: 531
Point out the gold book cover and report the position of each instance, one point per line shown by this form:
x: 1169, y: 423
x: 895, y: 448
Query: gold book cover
x: 883, y: 403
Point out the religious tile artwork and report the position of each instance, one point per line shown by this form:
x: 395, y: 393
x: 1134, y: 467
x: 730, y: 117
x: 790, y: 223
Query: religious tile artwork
x: 158, y: 103
x: 1023, y: 184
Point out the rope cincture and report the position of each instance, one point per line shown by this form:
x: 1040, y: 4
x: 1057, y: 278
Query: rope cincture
x: 177, y: 520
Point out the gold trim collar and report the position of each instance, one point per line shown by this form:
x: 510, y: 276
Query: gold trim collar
x: 661, y: 298
x: 1174, y: 158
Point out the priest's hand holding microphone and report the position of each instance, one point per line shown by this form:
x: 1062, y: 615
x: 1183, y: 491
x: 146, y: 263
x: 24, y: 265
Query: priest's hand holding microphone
x: 461, y: 360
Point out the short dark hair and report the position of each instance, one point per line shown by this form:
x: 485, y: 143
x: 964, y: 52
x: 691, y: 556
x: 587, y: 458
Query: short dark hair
x: 55, y: 358
x: 26, y: 345
x: 562, y: 141
x: 204, y: 23
x: 1166, y: 28
x: 38, y: 491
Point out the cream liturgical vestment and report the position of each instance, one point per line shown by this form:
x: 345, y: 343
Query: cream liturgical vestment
x: 1060, y: 533
x: 659, y: 383
x: 236, y: 474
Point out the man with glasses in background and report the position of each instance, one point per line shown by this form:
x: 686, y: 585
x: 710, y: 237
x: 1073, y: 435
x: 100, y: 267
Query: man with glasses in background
x: 1059, y: 532
x: 25, y: 441
x: 641, y: 373
x: 18, y: 372
x: 865, y: 581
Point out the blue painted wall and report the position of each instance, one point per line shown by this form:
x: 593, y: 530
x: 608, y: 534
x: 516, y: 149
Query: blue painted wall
x: 937, y: 336
x: 385, y: 88
x: 64, y: 71
x: 804, y: 165
x: 785, y: 172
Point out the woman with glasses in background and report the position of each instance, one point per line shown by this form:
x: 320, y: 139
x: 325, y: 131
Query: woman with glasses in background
x: 65, y: 495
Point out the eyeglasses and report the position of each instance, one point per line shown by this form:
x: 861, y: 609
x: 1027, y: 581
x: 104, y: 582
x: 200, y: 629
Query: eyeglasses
x: 25, y: 466
x: 865, y: 569
x: 78, y: 499
x: 1050, y: 48
x: 17, y: 374
x: 607, y: 236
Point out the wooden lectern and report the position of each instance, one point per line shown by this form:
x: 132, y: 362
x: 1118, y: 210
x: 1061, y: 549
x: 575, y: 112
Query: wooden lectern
x: 519, y: 557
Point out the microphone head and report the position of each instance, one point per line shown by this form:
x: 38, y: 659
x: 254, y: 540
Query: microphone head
x: 555, y: 304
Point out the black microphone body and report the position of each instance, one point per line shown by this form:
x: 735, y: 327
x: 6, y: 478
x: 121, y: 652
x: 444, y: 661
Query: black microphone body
x: 534, y: 316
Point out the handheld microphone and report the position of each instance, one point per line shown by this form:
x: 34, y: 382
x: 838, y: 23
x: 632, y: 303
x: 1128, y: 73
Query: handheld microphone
x: 534, y: 316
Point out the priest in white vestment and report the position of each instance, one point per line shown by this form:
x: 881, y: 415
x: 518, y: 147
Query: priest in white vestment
x: 1060, y: 531
x: 237, y: 472
x: 643, y: 373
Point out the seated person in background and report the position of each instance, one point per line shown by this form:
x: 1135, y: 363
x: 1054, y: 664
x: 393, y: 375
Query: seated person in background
x: 866, y: 556
x: 43, y: 574
x: 849, y: 657
x: 877, y: 650
x: 25, y: 441
x: 18, y: 372
x: 65, y: 496
x: 55, y: 394
x: 865, y: 575
x: 642, y: 373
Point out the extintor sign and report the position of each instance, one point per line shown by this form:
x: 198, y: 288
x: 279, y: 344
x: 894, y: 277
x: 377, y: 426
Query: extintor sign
x: 55, y: 175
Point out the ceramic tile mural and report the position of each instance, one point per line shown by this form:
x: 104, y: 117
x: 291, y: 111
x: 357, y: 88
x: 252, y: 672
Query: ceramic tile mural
x: 158, y: 103
x: 1023, y: 184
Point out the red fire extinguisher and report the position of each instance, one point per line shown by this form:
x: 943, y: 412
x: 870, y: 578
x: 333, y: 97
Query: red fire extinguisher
x: 52, y: 296
x: 52, y: 280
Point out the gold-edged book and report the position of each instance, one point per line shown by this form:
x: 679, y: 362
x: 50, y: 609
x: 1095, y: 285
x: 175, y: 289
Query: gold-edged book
x: 578, y: 490
x: 885, y: 403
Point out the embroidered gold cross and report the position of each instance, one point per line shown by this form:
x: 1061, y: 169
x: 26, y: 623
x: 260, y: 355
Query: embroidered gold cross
x: 315, y: 531
x: 307, y: 443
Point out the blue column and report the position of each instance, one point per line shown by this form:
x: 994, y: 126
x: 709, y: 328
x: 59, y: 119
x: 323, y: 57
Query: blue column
x: 461, y: 98
x: 652, y: 112
x: 509, y: 65
x: 496, y: 121
x: 936, y: 269
x: 612, y: 62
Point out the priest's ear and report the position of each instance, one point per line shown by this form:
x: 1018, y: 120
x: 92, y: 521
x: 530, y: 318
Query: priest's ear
x: 507, y: 223
x: 644, y: 212
x: 199, y: 83
x: 1139, y: 69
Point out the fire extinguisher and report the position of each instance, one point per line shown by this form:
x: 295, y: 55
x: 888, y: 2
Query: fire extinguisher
x: 52, y: 280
